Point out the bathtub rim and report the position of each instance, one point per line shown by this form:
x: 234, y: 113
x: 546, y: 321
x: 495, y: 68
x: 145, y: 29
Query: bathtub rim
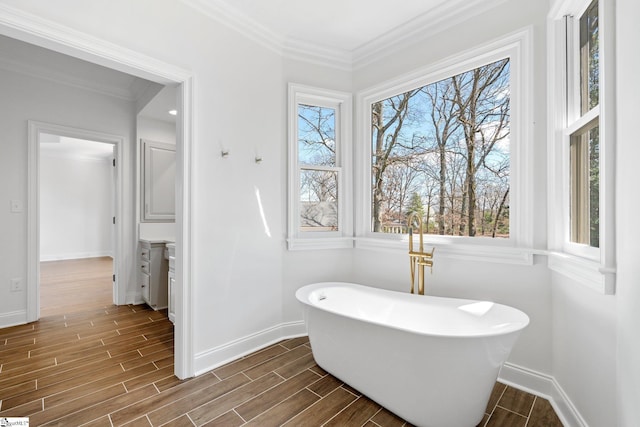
x: 303, y: 295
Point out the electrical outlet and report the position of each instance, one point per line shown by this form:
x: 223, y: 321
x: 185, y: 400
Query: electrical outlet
x: 16, y: 285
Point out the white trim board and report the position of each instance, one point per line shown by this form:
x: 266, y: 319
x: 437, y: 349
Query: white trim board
x: 13, y: 318
x: 210, y: 359
x: 544, y: 386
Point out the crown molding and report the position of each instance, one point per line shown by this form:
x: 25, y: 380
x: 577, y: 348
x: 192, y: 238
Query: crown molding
x: 234, y: 19
x: 420, y: 28
x: 255, y: 31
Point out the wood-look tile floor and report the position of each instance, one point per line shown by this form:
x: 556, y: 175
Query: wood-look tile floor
x: 113, y: 366
x: 73, y: 285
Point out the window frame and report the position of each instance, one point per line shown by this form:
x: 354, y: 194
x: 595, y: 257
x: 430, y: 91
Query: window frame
x: 591, y: 266
x: 517, y: 248
x: 342, y: 103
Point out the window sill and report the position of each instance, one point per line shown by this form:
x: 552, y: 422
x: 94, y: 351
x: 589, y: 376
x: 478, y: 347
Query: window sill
x: 586, y: 272
x: 469, y: 252
x: 302, y: 244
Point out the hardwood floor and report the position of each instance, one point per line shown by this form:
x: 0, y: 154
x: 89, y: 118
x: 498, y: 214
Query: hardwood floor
x: 113, y: 366
x: 75, y: 285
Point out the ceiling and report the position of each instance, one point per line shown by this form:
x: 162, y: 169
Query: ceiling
x: 62, y: 146
x: 335, y: 24
x: 342, y: 33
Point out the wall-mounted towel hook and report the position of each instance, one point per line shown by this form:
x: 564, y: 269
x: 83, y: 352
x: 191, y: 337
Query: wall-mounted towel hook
x: 224, y: 153
x: 258, y: 159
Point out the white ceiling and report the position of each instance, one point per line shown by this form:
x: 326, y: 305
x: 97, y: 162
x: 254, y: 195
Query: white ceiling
x: 336, y: 24
x: 62, y: 146
x: 341, y: 33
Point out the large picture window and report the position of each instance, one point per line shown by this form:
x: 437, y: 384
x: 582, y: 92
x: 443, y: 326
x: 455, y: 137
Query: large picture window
x: 443, y: 150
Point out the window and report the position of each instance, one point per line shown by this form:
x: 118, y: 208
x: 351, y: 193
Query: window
x: 583, y: 116
x: 442, y: 150
x: 319, y: 147
x: 582, y: 143
x: 451, y: 141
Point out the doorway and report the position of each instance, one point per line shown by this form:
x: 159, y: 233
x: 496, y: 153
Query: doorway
x: 64, y: 143
x: 77, y: 200
x: 33, y: 31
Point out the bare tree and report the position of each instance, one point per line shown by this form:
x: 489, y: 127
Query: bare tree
x: 385, y: 134
x: 483, y: 112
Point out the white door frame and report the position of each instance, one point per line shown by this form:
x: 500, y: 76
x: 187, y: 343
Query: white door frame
x: 33, y: 226
x: 48, y: 34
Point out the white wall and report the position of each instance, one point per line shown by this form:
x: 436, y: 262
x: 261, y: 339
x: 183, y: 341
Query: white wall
x: 25, y: 98
x: 75, y: 207
x: 627, y: 208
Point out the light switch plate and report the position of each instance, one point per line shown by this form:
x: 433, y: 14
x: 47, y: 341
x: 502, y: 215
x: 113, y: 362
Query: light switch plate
x: 16, y: 206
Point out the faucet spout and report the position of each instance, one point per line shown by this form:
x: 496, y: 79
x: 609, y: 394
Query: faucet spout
x: 419, y: 259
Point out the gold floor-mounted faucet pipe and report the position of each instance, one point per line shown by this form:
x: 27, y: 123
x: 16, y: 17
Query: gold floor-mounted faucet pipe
x: 418, y: 259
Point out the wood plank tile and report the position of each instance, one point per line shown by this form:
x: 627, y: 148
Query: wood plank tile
x: 253, y: 407
x: 290, y: 369
x: 138, y: 422
x: 201, y: 397
x: 324, y: 409
x: 502, y: 418
x: 149, y: 378
x: 295, y: 342
x: 387, y: 418
x: 496, y: 394
x: 209, y: 409
x: 17, y: 390
x: 58, y: 387
x: 543, y: 414
x: 249, y: 361
x: 325, y: 386
x: 517, y: 401
x: 277, y: 362
x: 230, y: 419
x: 96, y: 384
x: 72, y: 406
x: 358, y: 413
x: 134, y: 411
x: 23, y: 410
x: 105, y: 407
x: 285, y: 410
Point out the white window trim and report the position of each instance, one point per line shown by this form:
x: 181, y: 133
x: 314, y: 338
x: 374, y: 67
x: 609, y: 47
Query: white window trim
x: 342, y: 102
x: 518, y: 248
x: 592, y: 267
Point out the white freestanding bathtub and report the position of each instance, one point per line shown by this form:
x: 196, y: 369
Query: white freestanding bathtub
x: 432, y: 361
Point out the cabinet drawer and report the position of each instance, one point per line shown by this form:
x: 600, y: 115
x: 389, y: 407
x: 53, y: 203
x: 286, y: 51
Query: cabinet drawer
x: 146, y: 288
x: 145, y: 266
x: 172, y: 263
x: 145, y: 254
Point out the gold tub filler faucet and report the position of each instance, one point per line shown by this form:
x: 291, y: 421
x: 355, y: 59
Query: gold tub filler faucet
x: 418, y: 259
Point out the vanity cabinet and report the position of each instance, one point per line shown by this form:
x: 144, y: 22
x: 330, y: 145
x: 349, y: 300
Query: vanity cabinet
x: 171, y: 249
x: 153, y: 276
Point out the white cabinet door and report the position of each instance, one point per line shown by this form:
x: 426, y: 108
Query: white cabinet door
x: 159, y: 181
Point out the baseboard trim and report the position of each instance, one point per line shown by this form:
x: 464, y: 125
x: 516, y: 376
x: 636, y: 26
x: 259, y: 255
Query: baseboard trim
x: 13, y: 318
x: 545, y: 386
x: 218, y: 356
x: 76, y: 255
